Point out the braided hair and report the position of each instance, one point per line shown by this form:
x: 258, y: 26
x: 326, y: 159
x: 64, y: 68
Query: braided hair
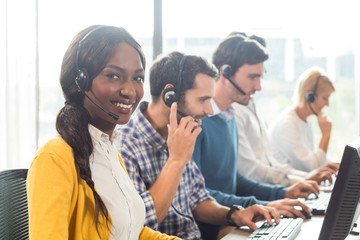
x: 73, y: 119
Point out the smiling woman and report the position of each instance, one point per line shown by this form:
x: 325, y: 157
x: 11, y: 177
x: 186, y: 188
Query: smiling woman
x: 102, y: 71
x: 116, y: 88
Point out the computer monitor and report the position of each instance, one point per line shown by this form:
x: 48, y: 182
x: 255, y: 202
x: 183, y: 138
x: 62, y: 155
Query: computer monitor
x: 343, y: 209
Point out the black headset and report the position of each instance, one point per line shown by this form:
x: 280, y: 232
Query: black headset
x: 311, y: 95
x: 228, y: 70
x: 82, y: 78
x: 171, y: 95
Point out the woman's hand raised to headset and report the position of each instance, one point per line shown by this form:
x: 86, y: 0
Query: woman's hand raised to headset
x: 325, y: 124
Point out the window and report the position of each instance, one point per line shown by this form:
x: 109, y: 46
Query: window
x: 298, y: 34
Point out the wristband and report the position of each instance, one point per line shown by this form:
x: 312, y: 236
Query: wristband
x: 230, y: 212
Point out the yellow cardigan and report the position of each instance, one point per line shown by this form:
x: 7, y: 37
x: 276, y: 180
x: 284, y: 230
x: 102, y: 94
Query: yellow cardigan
x: 61, y: 204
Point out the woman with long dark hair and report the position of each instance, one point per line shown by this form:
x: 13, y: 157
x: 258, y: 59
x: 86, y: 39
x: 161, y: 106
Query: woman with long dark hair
x: 77, y: 185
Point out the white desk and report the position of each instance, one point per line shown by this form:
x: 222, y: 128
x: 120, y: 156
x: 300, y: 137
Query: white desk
x: 310, y: 230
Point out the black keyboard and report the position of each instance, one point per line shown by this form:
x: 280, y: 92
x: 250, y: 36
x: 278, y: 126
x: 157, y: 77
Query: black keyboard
x: 286, y: 229
x: 318, y: 204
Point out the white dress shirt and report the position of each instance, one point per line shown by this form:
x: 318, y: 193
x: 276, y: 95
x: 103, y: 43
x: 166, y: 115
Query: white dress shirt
x: 126, y: 207
x: 255, y: 158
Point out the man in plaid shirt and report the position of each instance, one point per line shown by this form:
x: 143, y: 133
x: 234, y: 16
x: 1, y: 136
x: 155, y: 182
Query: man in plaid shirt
x: 157, y: 146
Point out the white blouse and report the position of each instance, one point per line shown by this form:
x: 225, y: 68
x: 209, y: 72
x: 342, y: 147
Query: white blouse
x: 126, y: 207
x: 292, y: 142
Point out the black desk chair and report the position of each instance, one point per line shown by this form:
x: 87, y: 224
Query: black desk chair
x: 14, y: 222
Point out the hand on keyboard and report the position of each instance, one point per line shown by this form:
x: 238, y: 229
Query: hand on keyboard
x: 318, y: 203
x: 312, y: 196
x: 327, y: 186
x: 302, y: 189
x: 291, y: 208
x: 250, y: 215
x: 286, y: 229
x: 324, y: 173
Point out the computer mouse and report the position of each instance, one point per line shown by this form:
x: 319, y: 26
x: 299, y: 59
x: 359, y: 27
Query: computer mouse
x: 307, y: 215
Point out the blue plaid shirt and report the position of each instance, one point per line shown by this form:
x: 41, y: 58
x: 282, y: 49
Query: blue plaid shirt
x: 145, y: 153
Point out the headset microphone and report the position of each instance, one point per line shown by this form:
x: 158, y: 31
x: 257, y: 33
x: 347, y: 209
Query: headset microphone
x: 311, y: 96
x: 311, y: 109
x: 227, y: 73
x: 82, y: 79
x: 111, y: 114
x: 181, y: 114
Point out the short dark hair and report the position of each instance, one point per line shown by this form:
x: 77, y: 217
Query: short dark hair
x: 253, y: 37
x: 165, y: 70
x: 237, y: 49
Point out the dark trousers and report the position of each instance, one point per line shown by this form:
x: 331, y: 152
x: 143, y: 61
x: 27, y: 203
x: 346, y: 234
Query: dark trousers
x: 208, y: 231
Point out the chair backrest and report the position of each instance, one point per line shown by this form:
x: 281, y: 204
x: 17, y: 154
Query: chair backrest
x: 14, y: 223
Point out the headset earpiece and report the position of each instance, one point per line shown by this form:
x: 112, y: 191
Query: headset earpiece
x: 169, y: 96
x: 227, y: 71
x: 311, y: 95
x: 82, y: 78
x: 82, y: 81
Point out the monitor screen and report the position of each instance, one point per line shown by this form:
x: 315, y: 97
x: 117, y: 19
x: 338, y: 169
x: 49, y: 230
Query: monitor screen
x: 343, y: 209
